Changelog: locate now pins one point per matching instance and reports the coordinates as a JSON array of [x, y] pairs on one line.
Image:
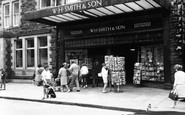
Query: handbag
[[173, 95]]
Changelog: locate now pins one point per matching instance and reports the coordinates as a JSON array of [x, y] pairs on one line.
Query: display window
[[152, 63]]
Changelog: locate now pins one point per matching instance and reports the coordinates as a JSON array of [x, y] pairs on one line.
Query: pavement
[[135, 99]]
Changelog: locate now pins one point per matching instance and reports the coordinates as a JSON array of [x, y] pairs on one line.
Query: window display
[[152, 63]]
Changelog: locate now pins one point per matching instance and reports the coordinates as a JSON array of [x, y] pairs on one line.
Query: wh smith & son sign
[[77, 6]]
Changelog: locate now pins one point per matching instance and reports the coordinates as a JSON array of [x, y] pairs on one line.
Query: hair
[[64, 64], [39, 65], [178, 67], [103, 64], [46, 66]]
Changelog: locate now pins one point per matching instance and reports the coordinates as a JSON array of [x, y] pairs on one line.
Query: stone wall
[[175, 57], [27, 28]]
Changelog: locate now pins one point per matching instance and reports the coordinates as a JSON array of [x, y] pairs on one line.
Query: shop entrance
[[130, 52]]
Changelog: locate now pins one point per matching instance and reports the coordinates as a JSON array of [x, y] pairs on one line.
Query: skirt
[[63, 80], [180, 90]]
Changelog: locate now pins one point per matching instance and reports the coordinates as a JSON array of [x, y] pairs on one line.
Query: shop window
[[19, 53], [16, 13], [30, 53], [43, 51], [47, 3], [6, 15]]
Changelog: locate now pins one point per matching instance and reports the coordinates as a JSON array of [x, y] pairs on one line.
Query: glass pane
[[43, 41], [46, 3], [43, 56], [16, 7], [6, 9], [19, 44], [30, 58], [7, 21], [19, 58], [16, 19], [30, 43]]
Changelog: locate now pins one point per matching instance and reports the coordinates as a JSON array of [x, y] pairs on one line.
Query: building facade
[[25, 44], [147, 32]]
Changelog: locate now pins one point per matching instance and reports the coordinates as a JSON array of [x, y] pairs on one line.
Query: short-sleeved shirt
[[74, 69]]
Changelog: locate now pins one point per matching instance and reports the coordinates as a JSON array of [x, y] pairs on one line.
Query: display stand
[[117, 67], [137, 73]]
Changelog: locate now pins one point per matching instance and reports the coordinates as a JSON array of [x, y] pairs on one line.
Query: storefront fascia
[[94, 9]]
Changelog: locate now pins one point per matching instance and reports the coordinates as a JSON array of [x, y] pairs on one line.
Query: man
[[74, 70]]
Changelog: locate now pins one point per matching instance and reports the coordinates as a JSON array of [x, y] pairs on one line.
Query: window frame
[[17, 14], [51, 4], [43, 47], [4, 16], [11, 13], [26, 50], [36, 49], [18, 49]]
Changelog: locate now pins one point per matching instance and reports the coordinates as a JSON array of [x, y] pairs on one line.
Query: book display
[[117, 67], [137, 73]]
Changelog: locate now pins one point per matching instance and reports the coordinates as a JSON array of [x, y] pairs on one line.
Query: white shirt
[[179, 78], [84, 70], [46, 74], [74, 68], [104, 72]]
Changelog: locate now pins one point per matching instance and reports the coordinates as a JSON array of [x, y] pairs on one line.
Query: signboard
[[77, 6], [112, 27]]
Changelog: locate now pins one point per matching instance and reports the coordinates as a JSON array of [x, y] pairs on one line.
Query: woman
[[63, 77], [179, 83], [104, 73], [38, 79]]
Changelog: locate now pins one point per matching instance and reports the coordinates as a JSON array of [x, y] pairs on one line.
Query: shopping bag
[[173, 95]]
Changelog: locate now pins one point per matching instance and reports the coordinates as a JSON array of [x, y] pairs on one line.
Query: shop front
[[129, 36], [138, 40]]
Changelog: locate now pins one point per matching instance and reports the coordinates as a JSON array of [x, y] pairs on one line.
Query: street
[[14, 107]]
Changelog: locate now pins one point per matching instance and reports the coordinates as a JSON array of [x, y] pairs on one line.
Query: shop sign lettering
[[107, 29], [77, 6], [143, 24]]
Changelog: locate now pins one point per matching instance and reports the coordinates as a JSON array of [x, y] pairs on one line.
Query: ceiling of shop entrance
[[91, 9]]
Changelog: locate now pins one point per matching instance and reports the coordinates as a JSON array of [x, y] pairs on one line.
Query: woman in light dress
[[179, 83], [62, 74]]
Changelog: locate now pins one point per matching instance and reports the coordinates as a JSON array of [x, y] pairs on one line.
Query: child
[[3, 79]]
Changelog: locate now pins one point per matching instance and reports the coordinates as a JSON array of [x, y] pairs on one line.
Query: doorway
[[130, 52]]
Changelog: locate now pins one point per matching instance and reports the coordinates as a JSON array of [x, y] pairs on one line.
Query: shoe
[[173, 106], [78, 90], [104, 91]]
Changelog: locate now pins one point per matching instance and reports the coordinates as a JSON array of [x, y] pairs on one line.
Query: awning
[[91, 9]]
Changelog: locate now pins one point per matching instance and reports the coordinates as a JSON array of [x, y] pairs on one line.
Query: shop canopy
[[88, 9]]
